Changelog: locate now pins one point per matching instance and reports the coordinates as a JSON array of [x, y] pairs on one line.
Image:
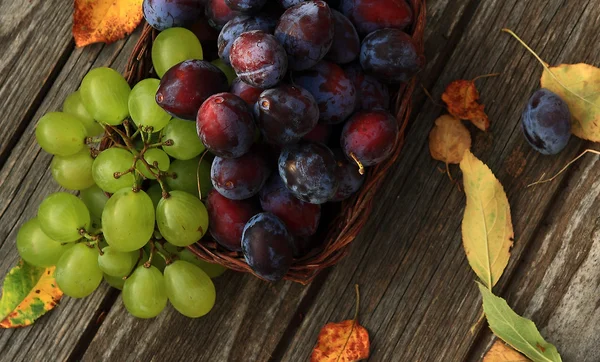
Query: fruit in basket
[[346, 44], [145, 293], [104, 93], [164, 14], [546, 122], [306, 32], [187, 174], [226, 69], [348, 175], [225, 125], [181, 218], [74, 105], [77, 273], [238, 25], [73, 172], [187, 85], [332, 89], [173, 46], [267, 246], [370, 92], [246, 6], [240, 178], [371, 15], [286, 4], [60, 134], [143, 109], [308, 171], [391, 56], [245, 91], [110, 163], [286, 113], [189, 289], [320, 133], [258, 59], [185, 144], [62, 215], [219, 13], [36, 248]]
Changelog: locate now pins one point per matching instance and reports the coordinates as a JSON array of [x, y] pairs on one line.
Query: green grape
[[94, 198], [152, 155], [190, 290], [77, 273], [212, 270], [104, 93], [173, 46], [115, 282], [186, 143], [116, 263], [186, 179], [60, 134], [128, 220], [182, 219], [73, 172], [155, 193], [107, 163], [36, 248], [144, 110], [62, 215], [144, 292], [229, 72], [73, 105]]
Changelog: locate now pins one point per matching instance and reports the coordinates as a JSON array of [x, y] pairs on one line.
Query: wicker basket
[[337, 232]]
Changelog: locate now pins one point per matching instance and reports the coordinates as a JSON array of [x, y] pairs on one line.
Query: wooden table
[[419, 299]]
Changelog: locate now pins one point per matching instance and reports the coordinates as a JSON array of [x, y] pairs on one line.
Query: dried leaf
[[28, 293], [519, 332], [105, 21], [502, 352], [487, 229], [449, 139], [342, 342], [462, 99]]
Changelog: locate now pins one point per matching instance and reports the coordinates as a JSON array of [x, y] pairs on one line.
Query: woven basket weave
[[341, 229]]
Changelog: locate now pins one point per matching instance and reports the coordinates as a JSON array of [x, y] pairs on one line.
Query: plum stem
[[361, 168]]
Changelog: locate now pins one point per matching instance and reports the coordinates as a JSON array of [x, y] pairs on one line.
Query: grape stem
[[90, 237], [152, 251], [93, 140]]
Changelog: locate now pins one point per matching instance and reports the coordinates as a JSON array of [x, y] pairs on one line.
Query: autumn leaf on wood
[[28, 293], [520, 333], [462, 99], [487, 229], [449, 139], [342, 342], [105, 21], [502, 352]]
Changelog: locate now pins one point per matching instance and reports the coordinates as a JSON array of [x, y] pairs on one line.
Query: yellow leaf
[[105, 21], [449, 139], [502, 352], [487, 227]]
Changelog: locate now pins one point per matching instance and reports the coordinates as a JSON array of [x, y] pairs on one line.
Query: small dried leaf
[[105, 21], [462, 99], [502, 352], [449, 139]]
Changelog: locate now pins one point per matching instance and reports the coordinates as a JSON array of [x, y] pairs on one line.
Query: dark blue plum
[[245, 91], [218, 13], [267, 246], [348, 176], [246, 6], [164, 14], [308, 171], [370, 93], [286, 4], [346, 44], [258, 59], [546, 122], [320, 133], [371, 15], [391, 56], [239, 178], [238, 25], [286, 113], [332, 89], [306, 32]]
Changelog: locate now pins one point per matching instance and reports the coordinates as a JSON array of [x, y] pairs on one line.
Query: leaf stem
[[541, 181]]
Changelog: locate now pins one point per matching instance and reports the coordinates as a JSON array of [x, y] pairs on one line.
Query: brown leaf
[[462, 99], [105, 21], [502, 352], [449, 139]]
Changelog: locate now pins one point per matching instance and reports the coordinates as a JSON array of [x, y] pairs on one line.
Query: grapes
[[371, 15], [212, 270], [155, 193], [173, 46], [60, 134], [308, 171], [110, 162], [189, 289], [187, 85], [227, 219], [182, 218], [369, 137], [332, 89], [73, 172], [151, 156], [115, 282], [144, 292], [238, 25], [104, 93], [128, 220], [306, 32], [218, 13], [116, 263], [301, 218], [164, 14], [245, 91], [36, 248], [95, 199], [189, 174], [348, 176], [258, 59], [239, 178], [320, 133], [186, 144], [370, 93], [77, 273], [391, 56], [346, 44], [144, 110], [62, 215], [267, 246], [225, 125], [226, 69], [246, 6], [74, 105], [286, 113], [546, 122]]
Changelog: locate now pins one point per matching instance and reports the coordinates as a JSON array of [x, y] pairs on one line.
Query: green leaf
[[520, 333]]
